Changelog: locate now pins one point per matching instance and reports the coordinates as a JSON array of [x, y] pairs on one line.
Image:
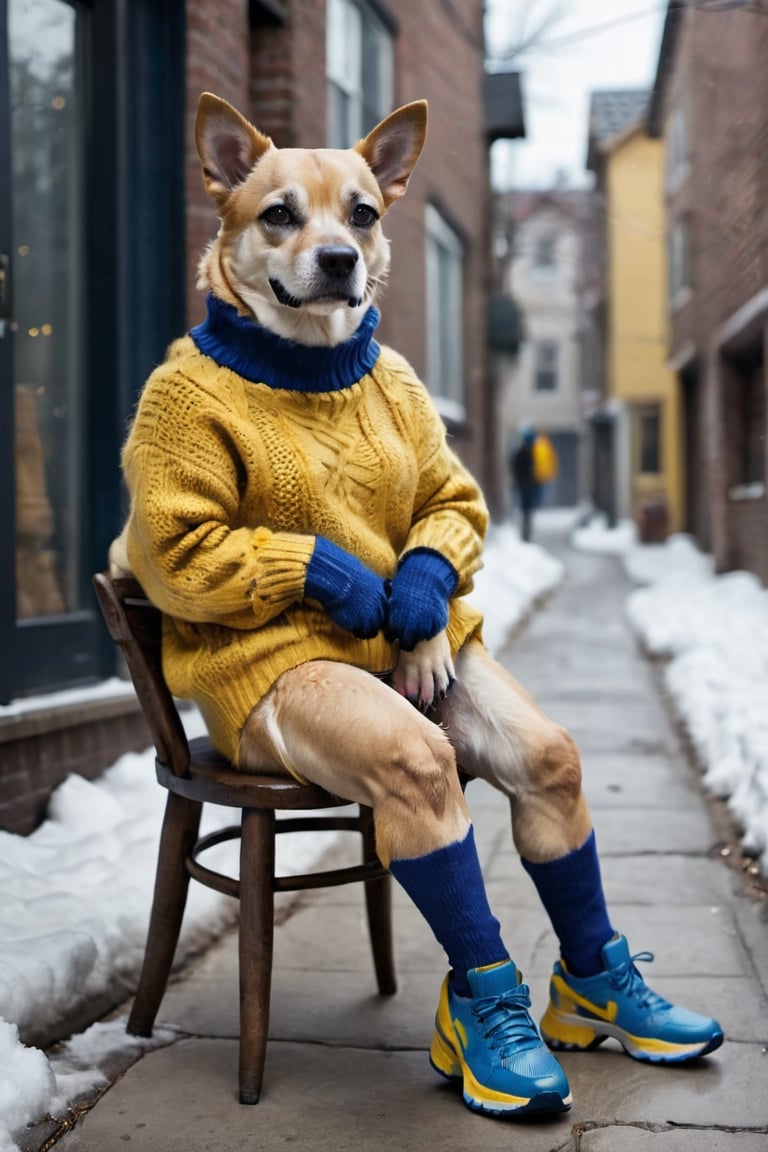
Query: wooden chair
[[193, 774]]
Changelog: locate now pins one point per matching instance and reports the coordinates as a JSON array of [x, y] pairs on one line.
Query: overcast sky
[[587, 45]]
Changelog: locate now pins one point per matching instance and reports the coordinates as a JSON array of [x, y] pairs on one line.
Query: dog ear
[[392, 148], [228, 146]]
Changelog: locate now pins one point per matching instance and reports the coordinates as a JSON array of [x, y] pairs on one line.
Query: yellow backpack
[[545, 462]]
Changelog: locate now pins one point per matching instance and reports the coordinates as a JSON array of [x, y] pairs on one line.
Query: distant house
[[542, 243], [713, 122], [636, 444]]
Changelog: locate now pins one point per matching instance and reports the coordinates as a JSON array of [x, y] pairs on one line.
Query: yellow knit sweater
[[231, 480]]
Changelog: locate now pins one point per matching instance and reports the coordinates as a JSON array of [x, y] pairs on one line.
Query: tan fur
[[501, 735], [329, 722], [119, 565], [342, 728], [247, 175]]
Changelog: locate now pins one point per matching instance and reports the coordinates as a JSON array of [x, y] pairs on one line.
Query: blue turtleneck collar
[[260, 356]]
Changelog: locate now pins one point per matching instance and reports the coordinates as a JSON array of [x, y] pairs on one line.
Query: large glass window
[[91, 260], [445, 315], [359, 65], [48, 278]]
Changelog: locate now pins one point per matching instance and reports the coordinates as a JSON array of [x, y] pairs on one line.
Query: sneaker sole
[[448, 1064], [574, 1034]]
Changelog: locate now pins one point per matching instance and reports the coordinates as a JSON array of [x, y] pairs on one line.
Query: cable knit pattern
[[231, 482]]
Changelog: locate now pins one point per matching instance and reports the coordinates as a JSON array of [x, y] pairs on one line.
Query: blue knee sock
[[447, 888], [572, 894]]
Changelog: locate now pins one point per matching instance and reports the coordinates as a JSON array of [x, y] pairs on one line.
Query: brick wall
[[288, 77], [729, 161], [217, 61], [720, 76], [440, 57], [38, 751]]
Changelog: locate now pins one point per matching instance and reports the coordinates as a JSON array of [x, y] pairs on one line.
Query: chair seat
[[211, 778]]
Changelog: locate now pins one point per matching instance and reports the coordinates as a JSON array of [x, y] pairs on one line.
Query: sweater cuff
[[432, 566], [282, 563]]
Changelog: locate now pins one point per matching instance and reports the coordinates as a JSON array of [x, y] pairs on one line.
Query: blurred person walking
[[526, 487]]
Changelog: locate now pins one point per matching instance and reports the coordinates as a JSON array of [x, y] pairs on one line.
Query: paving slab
[[315, 1097], [348, 1070], [631, 1138], [319, 1097]]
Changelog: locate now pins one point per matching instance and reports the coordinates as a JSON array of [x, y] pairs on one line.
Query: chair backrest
[[135, 625]]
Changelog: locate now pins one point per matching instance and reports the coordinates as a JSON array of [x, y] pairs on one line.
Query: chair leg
[[181, 825], [378, 902], [257, 871]]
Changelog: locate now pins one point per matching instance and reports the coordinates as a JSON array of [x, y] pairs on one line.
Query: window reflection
[[47, 270]]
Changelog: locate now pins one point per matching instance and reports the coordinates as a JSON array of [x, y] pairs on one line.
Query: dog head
[[300, 246]]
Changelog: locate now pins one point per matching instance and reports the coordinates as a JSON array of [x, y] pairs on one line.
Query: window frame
[[679, 263], [445, 313], [649, 418], [745, 396], [360, 75], [676, 155], [545, 256], [543, 350], [133, 203]]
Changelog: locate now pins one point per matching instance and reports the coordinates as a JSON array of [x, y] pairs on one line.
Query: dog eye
[[363, 216], [277, 214]]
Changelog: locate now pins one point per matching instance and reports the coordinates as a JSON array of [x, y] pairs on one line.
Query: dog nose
[[337, 259]]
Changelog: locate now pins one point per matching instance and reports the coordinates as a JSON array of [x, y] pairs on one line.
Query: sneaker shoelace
[[626, 978], [505, 1021]]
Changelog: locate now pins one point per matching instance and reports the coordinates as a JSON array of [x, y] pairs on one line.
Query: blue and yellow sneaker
[[490, 1044], [617, 1002]]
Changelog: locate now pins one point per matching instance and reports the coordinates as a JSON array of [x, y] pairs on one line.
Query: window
[[679, 272], [745, 410], [445, 315], [677, 149], [77, 237], [753, 427], [648, 424], [545, 366], [49, 266], [360, 68], [544, 256]]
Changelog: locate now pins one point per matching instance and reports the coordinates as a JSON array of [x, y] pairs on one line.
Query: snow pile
[[27, 1083], [513, 578], [75, 895], [713, 632]]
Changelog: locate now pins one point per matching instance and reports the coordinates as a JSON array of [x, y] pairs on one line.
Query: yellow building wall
[[637, 293]]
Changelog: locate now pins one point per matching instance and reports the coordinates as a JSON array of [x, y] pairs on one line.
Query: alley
[[348, 1071]]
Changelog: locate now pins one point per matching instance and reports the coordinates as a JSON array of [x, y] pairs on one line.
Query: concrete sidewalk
[[348, 1071]]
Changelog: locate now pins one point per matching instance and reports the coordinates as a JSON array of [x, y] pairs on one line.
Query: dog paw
[[425, 674]]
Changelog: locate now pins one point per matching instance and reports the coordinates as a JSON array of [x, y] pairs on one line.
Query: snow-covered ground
[[75, 895], [712, 633]]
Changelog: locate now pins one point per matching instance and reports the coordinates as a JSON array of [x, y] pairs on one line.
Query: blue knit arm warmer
[[350, 593], [418, 602]]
